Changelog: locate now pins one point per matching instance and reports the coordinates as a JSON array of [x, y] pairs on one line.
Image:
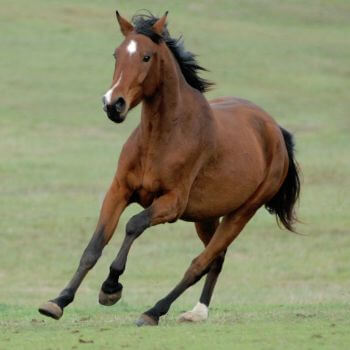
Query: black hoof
[[51, 309], [146, 320], [109, 299]]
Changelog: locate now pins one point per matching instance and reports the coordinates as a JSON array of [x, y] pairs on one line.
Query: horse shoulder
[[128, 170]]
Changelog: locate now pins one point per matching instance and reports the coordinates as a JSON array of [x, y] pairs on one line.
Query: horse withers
[[213, 163]]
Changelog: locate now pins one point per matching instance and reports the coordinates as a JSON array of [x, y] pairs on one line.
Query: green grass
[[58, 155]]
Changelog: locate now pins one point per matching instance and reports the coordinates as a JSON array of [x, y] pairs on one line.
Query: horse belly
[[232, 177], [212, 196]]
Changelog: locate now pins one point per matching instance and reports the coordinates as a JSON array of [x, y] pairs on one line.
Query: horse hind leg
[[205, 231], [228, 229], [200, 311]]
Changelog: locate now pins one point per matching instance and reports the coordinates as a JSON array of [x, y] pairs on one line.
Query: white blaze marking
[[108, 94], [132, 47]]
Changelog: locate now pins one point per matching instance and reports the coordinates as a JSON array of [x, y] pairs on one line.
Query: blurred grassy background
[[58, 154]]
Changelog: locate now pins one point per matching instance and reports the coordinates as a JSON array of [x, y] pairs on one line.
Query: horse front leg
[[163, 209], [115, 201]]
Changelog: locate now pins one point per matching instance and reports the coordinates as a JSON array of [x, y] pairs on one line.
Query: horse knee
[[138, 223]]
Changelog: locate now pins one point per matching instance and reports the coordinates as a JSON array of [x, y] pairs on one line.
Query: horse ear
[[159, 25], [125, 26]]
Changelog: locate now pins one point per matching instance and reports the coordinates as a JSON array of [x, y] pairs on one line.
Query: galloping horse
[[213, 163]]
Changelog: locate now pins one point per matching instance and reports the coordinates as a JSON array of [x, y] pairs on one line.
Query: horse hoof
[[51, 309], [198, 314], [146, 320], [190, 317], [109, 299]]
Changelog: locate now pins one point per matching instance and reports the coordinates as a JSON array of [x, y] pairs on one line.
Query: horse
[[212, 163]]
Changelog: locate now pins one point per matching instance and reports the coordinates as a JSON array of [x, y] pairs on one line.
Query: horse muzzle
[[116, 111]]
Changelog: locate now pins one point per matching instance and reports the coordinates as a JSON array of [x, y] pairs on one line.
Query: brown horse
[[188, 159]]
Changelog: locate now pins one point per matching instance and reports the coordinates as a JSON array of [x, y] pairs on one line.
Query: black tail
[[282, 204]]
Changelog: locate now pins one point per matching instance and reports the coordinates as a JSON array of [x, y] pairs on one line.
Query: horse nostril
[[120, 105], [104, 100]]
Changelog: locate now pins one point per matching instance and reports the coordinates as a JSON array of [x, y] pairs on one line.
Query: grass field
[[58, 154]]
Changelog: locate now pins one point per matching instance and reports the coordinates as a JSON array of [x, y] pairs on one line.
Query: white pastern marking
[[132, 47], [201, 310], [108, 94], [197, 314]]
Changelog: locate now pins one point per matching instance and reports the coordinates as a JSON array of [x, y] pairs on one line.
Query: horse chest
[[149, 189], [150, 183]]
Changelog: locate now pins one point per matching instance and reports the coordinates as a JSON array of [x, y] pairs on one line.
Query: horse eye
[[146, 58]]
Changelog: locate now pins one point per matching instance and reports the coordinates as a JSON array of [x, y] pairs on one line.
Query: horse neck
[[165, 110]]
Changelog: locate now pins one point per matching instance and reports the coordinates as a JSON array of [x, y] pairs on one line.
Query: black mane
[[143, 25]]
